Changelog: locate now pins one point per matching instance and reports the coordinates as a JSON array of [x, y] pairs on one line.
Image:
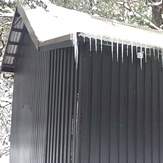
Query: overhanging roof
[[58, 24]]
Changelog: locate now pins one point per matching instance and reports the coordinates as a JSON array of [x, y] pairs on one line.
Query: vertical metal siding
[[121, 106], [44, 105], [28, 133], [61, 106]]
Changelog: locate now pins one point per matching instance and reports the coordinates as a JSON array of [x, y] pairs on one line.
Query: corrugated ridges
[[121, 107]]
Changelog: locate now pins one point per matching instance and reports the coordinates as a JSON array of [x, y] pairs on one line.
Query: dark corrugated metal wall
[[121, 106], [28, 133], [61, 106], [43, 116]]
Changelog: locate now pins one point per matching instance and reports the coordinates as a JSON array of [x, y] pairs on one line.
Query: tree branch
[[2, 44], [151, 3], [148, 22]]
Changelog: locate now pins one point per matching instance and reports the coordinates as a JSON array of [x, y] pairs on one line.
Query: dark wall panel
[[61, 106], [43, 119], [28, 133], [120, 105], [119, 97]]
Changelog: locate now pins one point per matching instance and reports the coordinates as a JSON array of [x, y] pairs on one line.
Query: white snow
[[4, 159], [58, 21]]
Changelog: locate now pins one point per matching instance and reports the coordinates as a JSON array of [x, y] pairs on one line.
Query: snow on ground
[[4, 159]]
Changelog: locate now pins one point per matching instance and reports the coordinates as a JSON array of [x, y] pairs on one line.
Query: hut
[[86, 90]]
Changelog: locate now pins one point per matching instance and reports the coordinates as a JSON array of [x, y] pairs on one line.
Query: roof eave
[[28, 26], [63, 41]]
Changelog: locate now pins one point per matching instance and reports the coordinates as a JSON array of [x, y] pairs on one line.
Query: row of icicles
[[142, 51]]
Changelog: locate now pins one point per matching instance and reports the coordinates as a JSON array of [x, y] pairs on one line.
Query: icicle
[[154, 52], [140, 56], [101, 43], [96, 45], [84, 39], [117, 50], [132, 53], [145, 53], [162, 60], [90, 44], [162, 57], [150, 52], [122, 51], [127, 50], [112, 48], [141, 63], [75, 44], [141, 59], [158, 53]]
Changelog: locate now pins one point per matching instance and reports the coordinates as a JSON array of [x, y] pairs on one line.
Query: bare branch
[[2, 43], [137, 14], [151, 3]]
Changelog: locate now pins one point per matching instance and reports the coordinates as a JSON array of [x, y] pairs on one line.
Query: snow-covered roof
[[57, 24], [57, 21]]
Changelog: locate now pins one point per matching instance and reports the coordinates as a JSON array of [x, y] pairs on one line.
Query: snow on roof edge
[[34, 37], [24, 17], [109, 37]]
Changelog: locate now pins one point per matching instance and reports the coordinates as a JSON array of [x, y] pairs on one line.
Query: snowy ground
[[4, 159]]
